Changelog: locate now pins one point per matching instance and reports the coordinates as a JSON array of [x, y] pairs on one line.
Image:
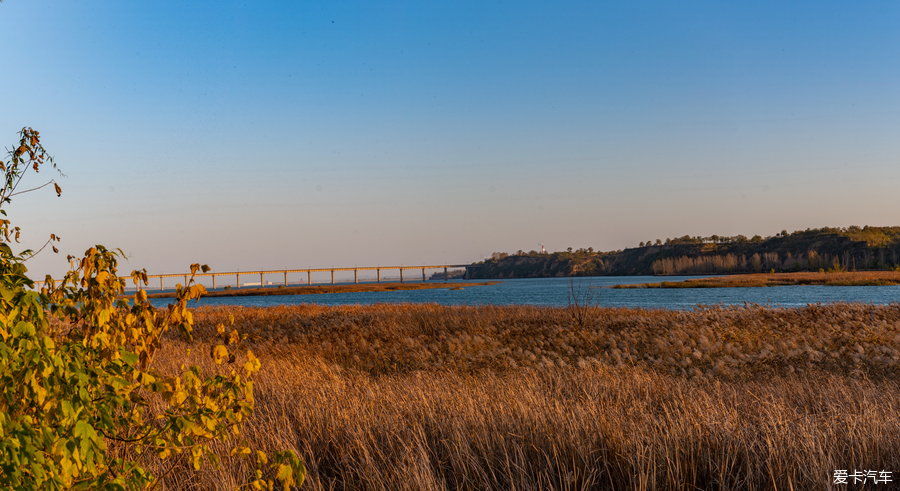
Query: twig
[[51, 181]]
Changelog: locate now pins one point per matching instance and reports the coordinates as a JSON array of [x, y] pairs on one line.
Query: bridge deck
[[262, 273]]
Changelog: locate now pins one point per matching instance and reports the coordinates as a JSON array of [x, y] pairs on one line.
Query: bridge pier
[[261, 284], [355, 278], [161, 283], [423, 274], [185, 281], [332, 276], [378, 275], [401, 275], [308, 277], [213, 281], [445, 274], [285, 278]]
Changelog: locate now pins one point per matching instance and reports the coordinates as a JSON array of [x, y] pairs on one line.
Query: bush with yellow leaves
[[79, 395]]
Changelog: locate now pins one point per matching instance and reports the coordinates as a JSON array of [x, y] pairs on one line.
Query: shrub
[[79, 395]]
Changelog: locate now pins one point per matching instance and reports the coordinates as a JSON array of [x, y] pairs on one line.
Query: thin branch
[[12, 188], [32, 189], [35, 253], [137, 439]]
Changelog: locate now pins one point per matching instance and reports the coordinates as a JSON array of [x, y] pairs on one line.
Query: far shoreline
[[322, 289], [755, 280]]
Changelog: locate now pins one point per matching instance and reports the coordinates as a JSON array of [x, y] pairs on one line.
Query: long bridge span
[[233, 278]]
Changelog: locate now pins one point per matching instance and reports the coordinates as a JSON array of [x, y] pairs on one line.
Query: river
[[588, 290]]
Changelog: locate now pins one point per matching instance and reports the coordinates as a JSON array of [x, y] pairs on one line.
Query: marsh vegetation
[[430, 397]]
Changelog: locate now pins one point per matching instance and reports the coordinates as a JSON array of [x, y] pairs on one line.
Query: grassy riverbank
[[430, 397], [846, 278], [316, 289]]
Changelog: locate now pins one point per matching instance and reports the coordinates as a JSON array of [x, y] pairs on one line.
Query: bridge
[[284, 274]]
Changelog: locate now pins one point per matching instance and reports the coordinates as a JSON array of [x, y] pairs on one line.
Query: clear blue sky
[[270, 134]]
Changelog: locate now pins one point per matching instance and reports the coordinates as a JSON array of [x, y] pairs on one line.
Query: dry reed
[[430, 397]]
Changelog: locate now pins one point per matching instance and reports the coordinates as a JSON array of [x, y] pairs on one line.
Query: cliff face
[[868, 248]]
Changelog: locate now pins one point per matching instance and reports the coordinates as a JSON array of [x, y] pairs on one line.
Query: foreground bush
[[80, 397]]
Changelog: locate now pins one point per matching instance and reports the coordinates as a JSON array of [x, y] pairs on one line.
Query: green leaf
[[129, 357]]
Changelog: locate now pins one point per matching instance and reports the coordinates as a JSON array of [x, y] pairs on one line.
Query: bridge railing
[[285, 272]]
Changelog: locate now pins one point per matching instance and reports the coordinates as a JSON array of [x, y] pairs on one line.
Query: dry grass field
[[837, 278], [431, 397]]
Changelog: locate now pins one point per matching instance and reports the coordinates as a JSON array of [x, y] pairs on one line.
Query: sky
[[267, 134]]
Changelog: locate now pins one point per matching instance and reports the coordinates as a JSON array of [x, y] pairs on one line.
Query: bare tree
[[580, 302]]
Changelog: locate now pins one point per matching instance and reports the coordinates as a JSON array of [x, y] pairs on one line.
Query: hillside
[[842, 249]]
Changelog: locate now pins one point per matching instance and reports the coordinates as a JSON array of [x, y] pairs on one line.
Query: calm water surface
[[556, 292]]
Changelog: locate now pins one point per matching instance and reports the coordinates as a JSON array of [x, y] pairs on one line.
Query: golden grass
[[316, 289], [430, 397], [841, 278]]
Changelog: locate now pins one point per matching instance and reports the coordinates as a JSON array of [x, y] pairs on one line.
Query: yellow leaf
[[196, 455], [285, 474], [252, 364], [179, 396], [240, 450], [220, 354]]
